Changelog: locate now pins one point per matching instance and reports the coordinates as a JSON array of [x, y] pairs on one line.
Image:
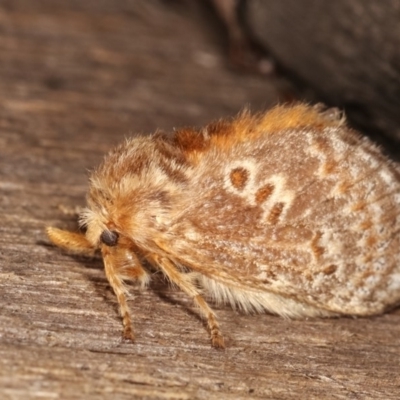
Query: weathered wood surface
[[75, 78]]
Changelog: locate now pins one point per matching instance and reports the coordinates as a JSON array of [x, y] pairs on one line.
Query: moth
[[287, 211]]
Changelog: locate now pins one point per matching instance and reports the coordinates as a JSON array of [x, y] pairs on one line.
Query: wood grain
[[76, 78]]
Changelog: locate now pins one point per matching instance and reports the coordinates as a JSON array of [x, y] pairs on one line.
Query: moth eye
[[110, 238]]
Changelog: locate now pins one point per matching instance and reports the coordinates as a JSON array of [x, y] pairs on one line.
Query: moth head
[[132, 194], [137, 217]]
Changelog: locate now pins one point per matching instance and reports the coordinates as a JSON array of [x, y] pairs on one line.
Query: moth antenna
[[73, 242]]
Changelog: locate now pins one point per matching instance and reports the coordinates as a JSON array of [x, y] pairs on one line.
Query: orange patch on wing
[[225, 133], [279, 119], [275, 213], [296, 117], [190, 139], [239, 177], [264, 193]]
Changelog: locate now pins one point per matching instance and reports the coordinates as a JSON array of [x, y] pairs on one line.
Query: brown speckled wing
[[309, 214]]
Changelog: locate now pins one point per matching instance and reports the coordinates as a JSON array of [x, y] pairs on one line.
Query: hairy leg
[[184, 284], [121, 264]]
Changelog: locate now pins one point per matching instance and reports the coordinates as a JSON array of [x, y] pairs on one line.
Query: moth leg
[[73, 242], [184, 284], [121, 264]]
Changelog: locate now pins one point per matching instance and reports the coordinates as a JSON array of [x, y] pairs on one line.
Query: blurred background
[[346, 52], [125, 65]]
